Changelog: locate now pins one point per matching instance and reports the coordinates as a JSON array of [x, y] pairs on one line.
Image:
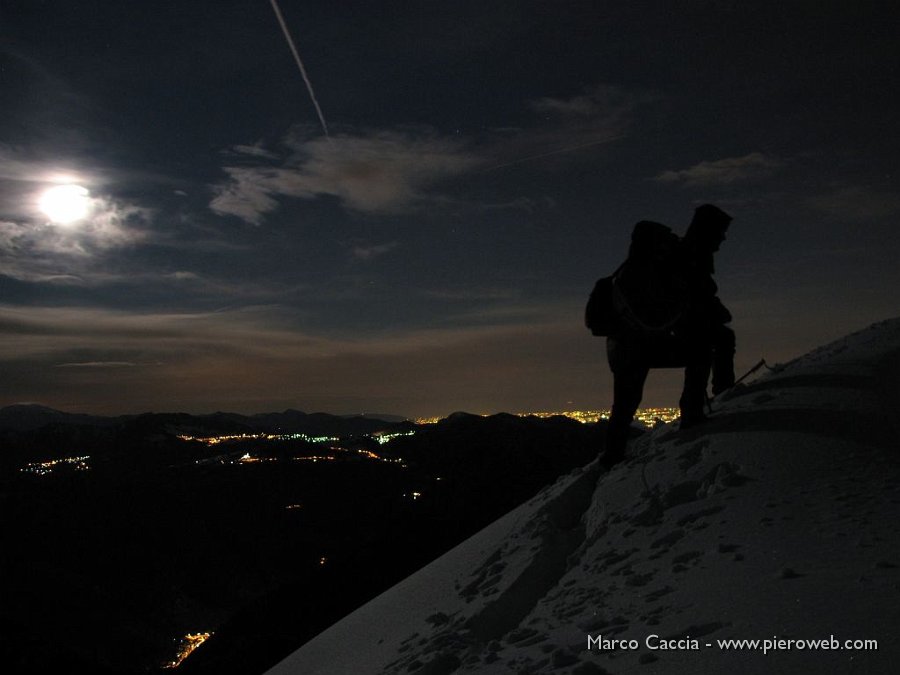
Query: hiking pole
[[762, 362]]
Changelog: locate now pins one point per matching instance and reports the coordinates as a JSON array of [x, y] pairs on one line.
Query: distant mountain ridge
[[30, 417]]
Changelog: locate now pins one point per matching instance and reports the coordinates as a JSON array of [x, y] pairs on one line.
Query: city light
[[247, 458], [383, 438], [428, 420], [186, 646], [653, 416], [230, 438], [45, 468], [647, 416]]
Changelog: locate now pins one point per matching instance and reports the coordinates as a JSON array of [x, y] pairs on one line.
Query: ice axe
[[760, 364]]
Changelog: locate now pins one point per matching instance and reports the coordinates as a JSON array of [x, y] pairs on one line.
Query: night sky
[[484, 164]]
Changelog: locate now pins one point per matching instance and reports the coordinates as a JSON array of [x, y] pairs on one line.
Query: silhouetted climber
[[649, 294], [669, 316], [709, 343]]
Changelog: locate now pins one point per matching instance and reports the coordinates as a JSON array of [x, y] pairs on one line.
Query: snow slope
[[778, 519]]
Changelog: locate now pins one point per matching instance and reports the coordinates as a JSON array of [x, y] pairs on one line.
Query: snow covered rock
[[777, 521]]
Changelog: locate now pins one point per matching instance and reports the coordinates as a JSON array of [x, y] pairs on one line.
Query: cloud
[[183, 275], [492, 294], [605, 101], [33, 249], [857, 203], [395, 171], [254, 359], [17, 166], [570, 127], [38, 251], [366, 253], [98, 364], [723, 171], [92, 336], [255, 150], [383, 172], [248, 193], [109, 334]]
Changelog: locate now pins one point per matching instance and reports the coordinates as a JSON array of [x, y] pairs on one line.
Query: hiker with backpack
[[660, 309], [709, 342]]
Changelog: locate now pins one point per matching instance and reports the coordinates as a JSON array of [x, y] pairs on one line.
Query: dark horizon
[[385, 415]]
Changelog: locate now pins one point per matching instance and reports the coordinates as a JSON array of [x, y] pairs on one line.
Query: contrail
[[559, 151], [290, 40]]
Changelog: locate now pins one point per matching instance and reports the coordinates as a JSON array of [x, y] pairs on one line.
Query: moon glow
[[65, 204]]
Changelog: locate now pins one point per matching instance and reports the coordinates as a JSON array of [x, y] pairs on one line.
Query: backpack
[[601, 316], [645, 297], [619, 305]]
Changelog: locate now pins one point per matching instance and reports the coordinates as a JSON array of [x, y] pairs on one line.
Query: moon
[[65, 204]]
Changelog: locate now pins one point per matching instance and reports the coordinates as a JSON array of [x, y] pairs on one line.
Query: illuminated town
[[48, 467], [649, 417], [383, 438], [186, 646], [215, 440]]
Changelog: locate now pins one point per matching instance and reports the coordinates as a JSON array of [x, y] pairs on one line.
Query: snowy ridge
[[778, 519]]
